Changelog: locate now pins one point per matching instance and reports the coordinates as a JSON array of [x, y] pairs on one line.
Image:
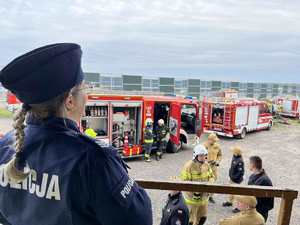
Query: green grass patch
[[4, 113]]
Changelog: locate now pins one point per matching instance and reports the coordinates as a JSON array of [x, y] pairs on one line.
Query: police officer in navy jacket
[[54, 174]]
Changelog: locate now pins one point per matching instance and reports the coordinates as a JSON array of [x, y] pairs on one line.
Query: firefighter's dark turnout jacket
[[175, 211], [237, 170], [148, 135], [162, 132]]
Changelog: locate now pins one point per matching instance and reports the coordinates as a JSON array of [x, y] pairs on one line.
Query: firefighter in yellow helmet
[[197, 170], [248, 214], [148, 138], [214, 156]]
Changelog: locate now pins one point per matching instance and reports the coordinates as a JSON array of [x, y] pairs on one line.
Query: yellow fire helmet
[[213, 137], [248, 200], [236, 150]]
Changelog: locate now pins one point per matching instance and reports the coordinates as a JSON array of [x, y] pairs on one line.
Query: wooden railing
[[287, 196]]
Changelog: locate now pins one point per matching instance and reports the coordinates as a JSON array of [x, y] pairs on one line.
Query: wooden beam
[[285, 210], [259, 191], [287, 195]]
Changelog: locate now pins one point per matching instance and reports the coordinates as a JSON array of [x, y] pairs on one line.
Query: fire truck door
[[287, 106], [253, 117], [175, 122]]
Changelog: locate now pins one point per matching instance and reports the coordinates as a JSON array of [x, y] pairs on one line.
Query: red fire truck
[[228, 115], [119, 120], [289, 106], [12, 102]]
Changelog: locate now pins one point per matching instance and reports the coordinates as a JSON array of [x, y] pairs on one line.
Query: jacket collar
[[53, 123], [249, 211]]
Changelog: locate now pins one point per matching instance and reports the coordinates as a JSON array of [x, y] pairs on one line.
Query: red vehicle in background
[[12, 102], [288, 106], [228, 115], [119, 120]]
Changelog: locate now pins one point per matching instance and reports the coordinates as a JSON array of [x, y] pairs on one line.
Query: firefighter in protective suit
[[248, 214], [197, 170], [214, 156], [148, 139], [162, 136]]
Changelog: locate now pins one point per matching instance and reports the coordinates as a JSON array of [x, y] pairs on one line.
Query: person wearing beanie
[[236, 172], [248, 214], [58, 175]]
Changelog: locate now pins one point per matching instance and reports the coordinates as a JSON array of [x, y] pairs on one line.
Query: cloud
[[246, 40]]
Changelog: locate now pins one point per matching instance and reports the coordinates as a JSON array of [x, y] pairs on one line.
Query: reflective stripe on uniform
[[196, 176], [149, 141], [195, 202]]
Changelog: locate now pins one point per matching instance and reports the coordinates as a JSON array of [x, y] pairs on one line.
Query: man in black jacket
[[259, 177], [236, 172]]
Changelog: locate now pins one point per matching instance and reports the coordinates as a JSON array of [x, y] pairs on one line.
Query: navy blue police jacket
[[73, 180]]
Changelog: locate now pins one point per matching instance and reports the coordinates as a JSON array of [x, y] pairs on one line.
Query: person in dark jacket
[[236, 172], [58, 175], [148, 139], [259, 177], [175, 211], [162, 134]]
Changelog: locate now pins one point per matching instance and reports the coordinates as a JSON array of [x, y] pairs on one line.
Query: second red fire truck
[[228, 115], [289, 106]]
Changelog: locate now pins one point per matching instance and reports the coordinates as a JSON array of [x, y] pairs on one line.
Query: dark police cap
[[44, 73]]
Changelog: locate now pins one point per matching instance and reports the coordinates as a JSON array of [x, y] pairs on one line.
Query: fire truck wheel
[[243, 134], [172, 148]]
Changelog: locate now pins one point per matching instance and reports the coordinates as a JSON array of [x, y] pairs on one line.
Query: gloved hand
[[214, 163]]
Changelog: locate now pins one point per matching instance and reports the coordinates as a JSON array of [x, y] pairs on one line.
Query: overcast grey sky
[[246, 40]]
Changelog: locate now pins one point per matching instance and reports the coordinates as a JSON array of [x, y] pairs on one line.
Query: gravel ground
[[278, 149]]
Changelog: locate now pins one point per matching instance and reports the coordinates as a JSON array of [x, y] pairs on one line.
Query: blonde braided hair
[[40, 111], [14, 174]]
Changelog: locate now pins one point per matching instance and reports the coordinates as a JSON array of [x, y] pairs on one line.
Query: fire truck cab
[[228, 115], [119, 120]]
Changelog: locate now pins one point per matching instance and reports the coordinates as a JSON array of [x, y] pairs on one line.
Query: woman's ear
[[70, 103]]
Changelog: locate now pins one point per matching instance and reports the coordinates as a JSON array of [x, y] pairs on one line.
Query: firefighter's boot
[[157, 157], [147, 158], [202, 220], [211, 200], [227, 204]]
